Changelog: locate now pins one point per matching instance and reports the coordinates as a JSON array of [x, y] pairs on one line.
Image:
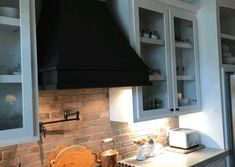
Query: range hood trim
[[55, 79]]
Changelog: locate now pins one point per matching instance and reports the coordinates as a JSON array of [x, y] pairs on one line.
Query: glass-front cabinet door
[[153, 47], [16, 97], [165, 38], [185, 64]]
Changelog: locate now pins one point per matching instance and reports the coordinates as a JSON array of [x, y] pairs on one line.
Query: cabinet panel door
[[16, 97], [152, 44], [219, 163], [185, 64]]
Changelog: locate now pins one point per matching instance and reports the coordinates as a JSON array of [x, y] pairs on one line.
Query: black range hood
[[81, 46]]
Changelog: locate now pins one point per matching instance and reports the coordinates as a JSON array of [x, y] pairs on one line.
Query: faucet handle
[[66, 113], [43, 129]]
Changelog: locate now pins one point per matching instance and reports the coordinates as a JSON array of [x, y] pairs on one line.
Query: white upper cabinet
[[166, 40], [18, 90]]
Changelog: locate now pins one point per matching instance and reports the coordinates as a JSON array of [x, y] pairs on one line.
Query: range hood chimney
[[81, 46]]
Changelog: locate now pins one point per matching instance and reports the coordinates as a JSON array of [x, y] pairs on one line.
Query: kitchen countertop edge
[[215, 158], [200, 158]]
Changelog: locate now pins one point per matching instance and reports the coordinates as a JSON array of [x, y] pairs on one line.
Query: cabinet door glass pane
[[10, 61], [153, 52], [155, 97], [11, 115], [227, 20], [185, 62], [11, 112]]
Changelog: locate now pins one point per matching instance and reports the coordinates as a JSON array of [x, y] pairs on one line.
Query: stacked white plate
[[9, 12], [229, 60]]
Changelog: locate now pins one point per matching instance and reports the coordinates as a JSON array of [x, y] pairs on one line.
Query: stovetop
[[121, 164]]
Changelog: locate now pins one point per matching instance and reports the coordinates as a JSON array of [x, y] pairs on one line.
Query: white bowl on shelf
[[184, 102], [9, 12], [227, 54], [17, 73], [229, 60]]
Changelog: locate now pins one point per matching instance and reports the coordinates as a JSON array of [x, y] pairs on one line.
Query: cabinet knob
[[177, 109], [172, 109]]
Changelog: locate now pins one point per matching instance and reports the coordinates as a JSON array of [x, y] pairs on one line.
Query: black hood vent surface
[[81, 46]]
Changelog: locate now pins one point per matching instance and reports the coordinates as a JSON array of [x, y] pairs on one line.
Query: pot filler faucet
[[67, 114]]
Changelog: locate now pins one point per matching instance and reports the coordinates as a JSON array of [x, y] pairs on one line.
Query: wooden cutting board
[[74, 156], [184, 151], [54, 153], [76, 159]]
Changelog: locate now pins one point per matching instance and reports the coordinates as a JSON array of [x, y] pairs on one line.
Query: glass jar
[[151, 148], [140, 153]]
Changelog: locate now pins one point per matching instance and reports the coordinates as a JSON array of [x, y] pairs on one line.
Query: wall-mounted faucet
[[67, 114]]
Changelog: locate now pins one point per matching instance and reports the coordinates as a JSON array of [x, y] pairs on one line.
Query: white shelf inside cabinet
[[152, 41], [227, 66], [10, 79], [227, 36], [181, 5], [185, 77], [9, 24], [157, 77], [183, 45]]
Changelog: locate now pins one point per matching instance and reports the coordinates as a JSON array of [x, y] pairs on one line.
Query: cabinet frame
[[169, 14], [28, 79]]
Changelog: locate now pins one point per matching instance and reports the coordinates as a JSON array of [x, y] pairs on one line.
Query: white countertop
[[169, 159]]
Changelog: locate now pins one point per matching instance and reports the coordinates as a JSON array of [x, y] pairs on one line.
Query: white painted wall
[[210, 121]]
